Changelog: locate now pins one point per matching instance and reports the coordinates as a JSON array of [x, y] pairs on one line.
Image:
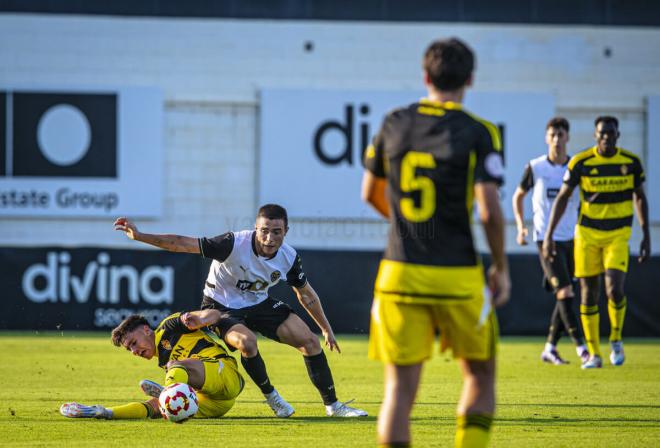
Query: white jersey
[[546, 178], [238, 277]]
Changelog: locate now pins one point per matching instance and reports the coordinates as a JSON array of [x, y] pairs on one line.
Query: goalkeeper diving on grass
[[189, 354]]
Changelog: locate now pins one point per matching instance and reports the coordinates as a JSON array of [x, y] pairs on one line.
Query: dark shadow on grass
[[594, 422], [582, 405], [317, 402], [293, 420], [453, 403]]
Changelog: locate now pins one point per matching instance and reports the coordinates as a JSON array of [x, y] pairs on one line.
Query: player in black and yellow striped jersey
[[193, 356], [426, 165], [611, 186]]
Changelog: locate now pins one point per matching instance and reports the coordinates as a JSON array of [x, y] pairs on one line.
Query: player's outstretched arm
[[642, 209], [490, 213], [172, 243], [374, 193], [518, 213], [310, 300], [194, 320], [558, 209]]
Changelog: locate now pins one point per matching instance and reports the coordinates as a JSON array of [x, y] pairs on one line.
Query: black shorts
[[558, 273], [265, 317]]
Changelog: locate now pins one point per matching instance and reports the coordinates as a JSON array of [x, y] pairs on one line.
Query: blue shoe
[[617, 357], [77, 410], [594, 362]]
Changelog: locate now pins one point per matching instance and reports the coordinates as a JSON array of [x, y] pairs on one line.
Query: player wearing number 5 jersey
[[433, 158]]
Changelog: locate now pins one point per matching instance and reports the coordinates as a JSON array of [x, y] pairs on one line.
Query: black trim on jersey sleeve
[[490, 164], [296, 277], [572, 175], [527, 181], [174, 325], [638, 172], [375, 157], [218, 248]]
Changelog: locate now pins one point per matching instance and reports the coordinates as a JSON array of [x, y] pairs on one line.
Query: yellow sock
[[176, 374], [617, 312], [590, 324], [473, 430], [130, 411]]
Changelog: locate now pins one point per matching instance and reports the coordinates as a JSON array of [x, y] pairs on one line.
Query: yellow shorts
[[222, 384], [597, 251], [404, 333]]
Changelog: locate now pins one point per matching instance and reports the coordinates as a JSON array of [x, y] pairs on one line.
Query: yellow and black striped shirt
[[175, 341], [606, 187]]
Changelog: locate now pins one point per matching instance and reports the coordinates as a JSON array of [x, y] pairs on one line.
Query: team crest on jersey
[[275, 276], [624, 169], [166, 344]]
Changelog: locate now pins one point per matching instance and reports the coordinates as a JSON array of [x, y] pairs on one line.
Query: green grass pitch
[[539, 405]]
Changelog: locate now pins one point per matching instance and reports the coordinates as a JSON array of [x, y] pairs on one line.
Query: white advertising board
[[311, 143], [81, 153]]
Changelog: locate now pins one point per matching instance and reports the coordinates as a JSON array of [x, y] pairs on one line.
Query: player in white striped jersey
[[544, 176], [245, 265]]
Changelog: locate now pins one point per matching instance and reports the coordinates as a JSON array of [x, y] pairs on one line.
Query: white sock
[[550, 347], [581, 349]]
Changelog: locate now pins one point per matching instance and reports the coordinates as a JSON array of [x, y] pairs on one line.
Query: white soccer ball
[[178, 402]]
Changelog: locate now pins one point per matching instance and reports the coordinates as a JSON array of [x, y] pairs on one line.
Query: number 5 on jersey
[[410, 182]]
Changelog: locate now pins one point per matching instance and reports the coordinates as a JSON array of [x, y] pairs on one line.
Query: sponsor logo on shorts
[[278, 304]]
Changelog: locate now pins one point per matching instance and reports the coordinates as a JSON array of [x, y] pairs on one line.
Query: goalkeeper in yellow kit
[[188, 354]]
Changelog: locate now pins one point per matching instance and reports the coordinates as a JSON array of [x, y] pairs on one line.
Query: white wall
[[211, 72]]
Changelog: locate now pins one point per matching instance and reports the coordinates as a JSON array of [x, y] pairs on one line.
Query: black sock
[[256, 368], [569, 320], [556, 326], [319, 372]]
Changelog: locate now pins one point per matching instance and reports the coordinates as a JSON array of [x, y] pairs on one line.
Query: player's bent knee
[[246, 343], [564, 293], [310, 345], [615, 293], [174, 363]]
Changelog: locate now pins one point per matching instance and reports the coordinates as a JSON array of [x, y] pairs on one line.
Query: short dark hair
[[274, 211], [606, 119], [129, 324], [449, 63], [558, 123]]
